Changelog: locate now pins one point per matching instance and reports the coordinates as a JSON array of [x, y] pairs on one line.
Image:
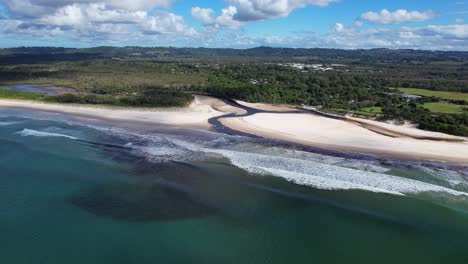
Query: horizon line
[[224, 48]]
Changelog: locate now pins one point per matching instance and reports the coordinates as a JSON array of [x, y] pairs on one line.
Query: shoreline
[[354, 135], [195, 116]]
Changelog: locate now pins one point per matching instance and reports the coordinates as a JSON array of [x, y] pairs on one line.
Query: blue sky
[[350, 24]]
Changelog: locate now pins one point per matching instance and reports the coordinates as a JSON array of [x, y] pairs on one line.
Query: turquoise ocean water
[[76, 190]]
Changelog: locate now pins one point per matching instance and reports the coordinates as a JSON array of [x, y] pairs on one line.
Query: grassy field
[[9, 94], [440, 94], [445, 108], [368, 111]]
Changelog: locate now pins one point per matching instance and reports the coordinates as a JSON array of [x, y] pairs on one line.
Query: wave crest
[[300, 167], [34, 133]]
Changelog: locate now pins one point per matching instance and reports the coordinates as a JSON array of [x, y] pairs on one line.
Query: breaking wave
[[330, 177], [300, 167], [34, 133]]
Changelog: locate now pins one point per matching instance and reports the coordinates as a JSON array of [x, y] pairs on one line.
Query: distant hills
[[50, 54]]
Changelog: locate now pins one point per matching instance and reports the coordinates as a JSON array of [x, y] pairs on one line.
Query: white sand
[[196, 115], [341, 135]]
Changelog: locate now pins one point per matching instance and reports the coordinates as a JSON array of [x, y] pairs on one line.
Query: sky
[[347, 24]]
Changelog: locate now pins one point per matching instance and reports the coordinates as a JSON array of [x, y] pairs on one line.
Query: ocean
[[79, 190]]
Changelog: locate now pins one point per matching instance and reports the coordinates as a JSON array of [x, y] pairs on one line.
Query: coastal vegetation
[[359, 82], [439, 94], [150, 97]]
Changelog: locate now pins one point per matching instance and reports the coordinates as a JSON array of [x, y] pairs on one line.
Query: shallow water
[[82, 191], [45, 89]]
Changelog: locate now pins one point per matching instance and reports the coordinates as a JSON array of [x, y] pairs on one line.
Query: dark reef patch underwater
[[76, 190], [142, 202]]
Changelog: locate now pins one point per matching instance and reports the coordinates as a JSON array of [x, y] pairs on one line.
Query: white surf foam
[[330, 173], [324, 183], [326, 176], [299, 167], [365, 165], [8, 123], [34, 133]]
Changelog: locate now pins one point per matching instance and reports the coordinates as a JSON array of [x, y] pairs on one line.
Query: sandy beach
[[339, 135], [353, 134], [194, 116]]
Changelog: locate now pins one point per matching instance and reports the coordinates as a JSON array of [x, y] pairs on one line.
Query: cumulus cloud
[[449, 31], [225, 19], [150, 22], [239, 12], [205, 15], [447, 37], [15, 27], [79, 14], [38, 8], [88, 19], [163, 23], [435, 37], [358, 23], [254, 10], [397, 17]]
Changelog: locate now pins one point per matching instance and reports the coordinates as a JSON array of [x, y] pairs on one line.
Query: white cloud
[[71, 15], [77, 15], [24, 8], [459, 20], [449, 37], [38, 8], [95, 19], [254, 10], [239, 12], [358, 23], [225, 19], [338, 27], [449, 31], [127, 22], [205, 15], [398, 16], [17, 27], [163, 23]]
